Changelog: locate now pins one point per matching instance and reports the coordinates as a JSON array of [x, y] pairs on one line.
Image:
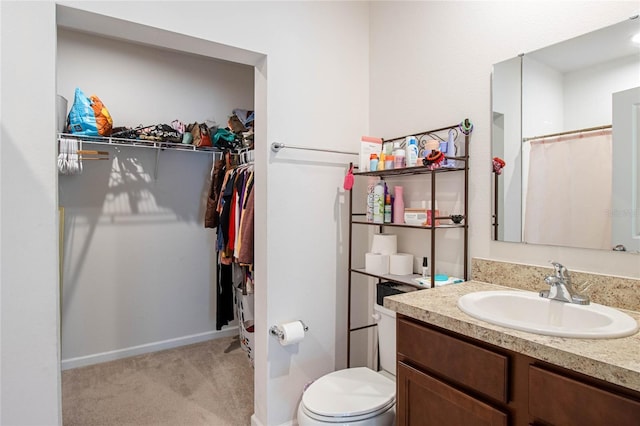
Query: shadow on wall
[[132, 184], [25, 208], [127, 197]]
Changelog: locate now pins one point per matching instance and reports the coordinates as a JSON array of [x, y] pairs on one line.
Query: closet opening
[[139, 269]]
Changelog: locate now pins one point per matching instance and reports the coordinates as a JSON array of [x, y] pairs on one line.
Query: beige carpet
[[209, 383]]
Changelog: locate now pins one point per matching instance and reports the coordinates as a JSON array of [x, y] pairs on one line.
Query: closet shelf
[[137, 143]]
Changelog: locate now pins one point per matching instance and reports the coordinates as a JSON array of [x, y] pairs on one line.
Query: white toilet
[[357, 396]]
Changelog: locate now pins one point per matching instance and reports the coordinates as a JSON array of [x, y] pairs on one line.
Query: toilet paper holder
[[277, 331]]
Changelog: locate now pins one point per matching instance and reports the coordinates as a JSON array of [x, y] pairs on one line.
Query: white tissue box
[[416, 217]]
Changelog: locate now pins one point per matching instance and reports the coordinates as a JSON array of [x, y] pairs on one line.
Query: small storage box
[[417, 217], [388, 289]]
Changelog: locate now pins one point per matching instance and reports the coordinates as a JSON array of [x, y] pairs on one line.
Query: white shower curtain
[[568, 199]]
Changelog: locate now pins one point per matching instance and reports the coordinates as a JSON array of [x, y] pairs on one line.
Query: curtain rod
[[590, 129], [277, 146]]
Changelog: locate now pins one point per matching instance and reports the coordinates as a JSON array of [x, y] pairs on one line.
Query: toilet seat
[[349, 395]]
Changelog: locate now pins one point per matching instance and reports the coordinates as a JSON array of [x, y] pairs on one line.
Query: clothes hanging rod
[[570, 132], [277, 146]]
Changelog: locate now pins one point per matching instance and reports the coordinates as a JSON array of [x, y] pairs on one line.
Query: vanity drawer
[[561, 400], [425, 400], [462, 363]]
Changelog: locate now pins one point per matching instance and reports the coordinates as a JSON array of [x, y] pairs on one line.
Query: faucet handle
[[561, 270]]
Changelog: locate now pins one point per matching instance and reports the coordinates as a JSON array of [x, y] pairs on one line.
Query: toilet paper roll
[[292, 332], [377, 264], [401, 264], [384, 244]]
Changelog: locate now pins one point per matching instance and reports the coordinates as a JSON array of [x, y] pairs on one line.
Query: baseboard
[[256, 422], [67, 364]]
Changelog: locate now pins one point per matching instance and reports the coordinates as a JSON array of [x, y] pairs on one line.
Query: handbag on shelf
[[205, 136], [201, 134]]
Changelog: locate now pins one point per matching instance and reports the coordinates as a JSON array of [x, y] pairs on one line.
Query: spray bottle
[[378, 203]]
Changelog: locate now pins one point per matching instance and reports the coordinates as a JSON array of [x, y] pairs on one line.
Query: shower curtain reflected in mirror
[[568, 203]]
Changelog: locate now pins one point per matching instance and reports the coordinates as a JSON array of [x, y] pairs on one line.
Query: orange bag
[[104, 122]]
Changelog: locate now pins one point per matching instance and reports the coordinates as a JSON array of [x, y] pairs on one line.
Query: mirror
[[566, 123]]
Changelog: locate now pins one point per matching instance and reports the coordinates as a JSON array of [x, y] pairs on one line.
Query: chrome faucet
[[561, 288]]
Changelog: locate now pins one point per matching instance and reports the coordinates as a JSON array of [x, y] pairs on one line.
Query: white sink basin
[[527, 311]]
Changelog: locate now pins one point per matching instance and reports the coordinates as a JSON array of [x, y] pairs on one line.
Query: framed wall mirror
[[566, 123]]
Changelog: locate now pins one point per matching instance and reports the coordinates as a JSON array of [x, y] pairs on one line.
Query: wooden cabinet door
[[423, 400], [559, 400]]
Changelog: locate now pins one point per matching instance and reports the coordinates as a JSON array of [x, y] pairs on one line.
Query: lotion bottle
[[411, 145], [398, 206], [399, 157]]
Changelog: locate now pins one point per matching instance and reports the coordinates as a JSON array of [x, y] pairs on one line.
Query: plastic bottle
[[378, 203], [443, 149], [411, 146], [436, 213], [387, 209], [399, 156], [370, 186], [389, 162], [425, 267], [451, 150], [398, 205], [373, 162], [381, 161]]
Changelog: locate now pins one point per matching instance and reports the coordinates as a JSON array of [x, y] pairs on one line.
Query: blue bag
[[82, 119]]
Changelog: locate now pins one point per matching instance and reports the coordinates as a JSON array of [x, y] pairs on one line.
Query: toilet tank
[[386, 320]]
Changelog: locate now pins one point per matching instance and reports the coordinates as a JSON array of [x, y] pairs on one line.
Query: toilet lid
[[348, 393]]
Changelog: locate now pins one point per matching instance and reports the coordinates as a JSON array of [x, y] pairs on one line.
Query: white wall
[[318, 90], [433, 69], [139, 266], [29, 361], [542, 99], [557, 101], [593, 107]]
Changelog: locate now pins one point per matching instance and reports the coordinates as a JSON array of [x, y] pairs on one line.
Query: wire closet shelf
[[142, 143]]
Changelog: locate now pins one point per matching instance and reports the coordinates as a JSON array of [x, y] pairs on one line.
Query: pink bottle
[[398, 205]]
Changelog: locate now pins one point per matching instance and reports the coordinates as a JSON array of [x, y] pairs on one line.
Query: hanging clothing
[[211, 215], [245, 255], [236, 188], [246, 189], [224, 296], [230, 206], [226, 202]]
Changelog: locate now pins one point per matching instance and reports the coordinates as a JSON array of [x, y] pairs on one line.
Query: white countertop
[[614, 360]]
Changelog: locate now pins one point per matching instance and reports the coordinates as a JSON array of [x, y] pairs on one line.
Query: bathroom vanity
[[456, 370]]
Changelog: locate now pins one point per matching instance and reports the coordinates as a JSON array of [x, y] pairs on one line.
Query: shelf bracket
[[155, 170]]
